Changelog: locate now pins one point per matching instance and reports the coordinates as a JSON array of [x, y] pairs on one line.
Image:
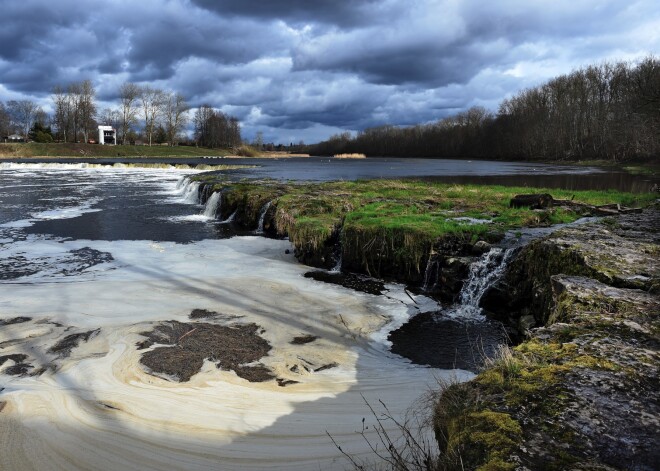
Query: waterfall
[[213, 205], [483, 273], [430, 274], [230, 218], [262, 217], [337, 267], [191, 192]]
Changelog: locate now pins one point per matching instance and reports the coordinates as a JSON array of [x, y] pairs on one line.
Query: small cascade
[[337, 267], [430, 274], [230, 218], [262, 217], [191, 192], [213, 205], [483, 273]]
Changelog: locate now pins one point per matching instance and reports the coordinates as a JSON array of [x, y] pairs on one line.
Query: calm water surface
[[461, 171]]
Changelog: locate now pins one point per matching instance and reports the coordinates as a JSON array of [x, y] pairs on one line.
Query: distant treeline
[[143, 115], [608, 111]]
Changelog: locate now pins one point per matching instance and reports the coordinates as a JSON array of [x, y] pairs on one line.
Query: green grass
[[34, 149], [433, 209], [394, 222]]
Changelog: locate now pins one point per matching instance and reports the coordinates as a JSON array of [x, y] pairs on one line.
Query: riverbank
[[581, 391], [392, 229], [79, 150]]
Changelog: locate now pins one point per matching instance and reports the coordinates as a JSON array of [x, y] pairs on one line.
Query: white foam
[[102, 410]]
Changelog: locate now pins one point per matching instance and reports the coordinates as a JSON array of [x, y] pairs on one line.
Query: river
[[108, 253]]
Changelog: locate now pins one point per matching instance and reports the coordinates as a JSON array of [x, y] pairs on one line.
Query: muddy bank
[[581, 391]]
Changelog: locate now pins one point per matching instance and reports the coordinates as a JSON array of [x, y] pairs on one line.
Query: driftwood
[[602, 210], [544, 200], [535, 201]]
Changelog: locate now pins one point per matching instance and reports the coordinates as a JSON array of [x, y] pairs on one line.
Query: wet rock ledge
[[419, 233], [581, 392]]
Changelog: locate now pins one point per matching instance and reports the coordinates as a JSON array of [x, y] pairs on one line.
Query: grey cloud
[[319, 11], [315, 67]]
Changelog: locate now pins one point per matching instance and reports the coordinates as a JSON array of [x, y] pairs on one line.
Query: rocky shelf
[[580, 392]]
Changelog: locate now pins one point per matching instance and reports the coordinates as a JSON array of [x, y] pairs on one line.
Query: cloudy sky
[[307, 69]]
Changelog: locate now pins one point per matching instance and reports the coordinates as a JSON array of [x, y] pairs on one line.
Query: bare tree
[[129, 95], [175, 115], [22, 113], [62, 112], [111, 117], [152, 105], [86, 107], [5, 121]]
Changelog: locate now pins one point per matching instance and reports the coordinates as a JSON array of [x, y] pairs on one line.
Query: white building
[[107, 135]]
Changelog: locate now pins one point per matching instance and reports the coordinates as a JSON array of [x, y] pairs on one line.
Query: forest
[[608, 112]]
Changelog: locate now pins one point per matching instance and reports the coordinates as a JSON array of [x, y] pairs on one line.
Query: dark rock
[[534, 201], [481, 247]]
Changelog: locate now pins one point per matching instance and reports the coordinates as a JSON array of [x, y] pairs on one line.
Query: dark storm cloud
[[308, 68], [319, 11]]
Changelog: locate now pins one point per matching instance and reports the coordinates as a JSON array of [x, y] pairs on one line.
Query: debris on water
[[187, 345]]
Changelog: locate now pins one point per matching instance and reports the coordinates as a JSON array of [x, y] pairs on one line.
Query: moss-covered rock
[[583, 388]]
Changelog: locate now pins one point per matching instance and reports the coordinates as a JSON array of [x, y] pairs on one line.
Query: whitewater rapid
[[99, 409]]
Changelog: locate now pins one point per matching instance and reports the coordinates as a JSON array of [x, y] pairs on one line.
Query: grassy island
[[389, 228]]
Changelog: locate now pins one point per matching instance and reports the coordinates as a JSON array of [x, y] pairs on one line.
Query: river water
[[108, 252]]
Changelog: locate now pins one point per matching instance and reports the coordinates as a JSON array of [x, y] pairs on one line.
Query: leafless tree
[[86, 107], [5, 121], [152, 100], [129, 95], [175, 115], [22, 113]]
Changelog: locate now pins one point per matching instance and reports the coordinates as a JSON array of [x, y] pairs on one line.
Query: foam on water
[[99, 409], [189, 424]]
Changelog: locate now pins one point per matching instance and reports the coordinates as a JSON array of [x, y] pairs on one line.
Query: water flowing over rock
[[483, 273], [191, 192], [213, 205], [262, 217]]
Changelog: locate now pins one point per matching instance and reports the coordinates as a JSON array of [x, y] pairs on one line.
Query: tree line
[[143, 113], [609, 111]]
